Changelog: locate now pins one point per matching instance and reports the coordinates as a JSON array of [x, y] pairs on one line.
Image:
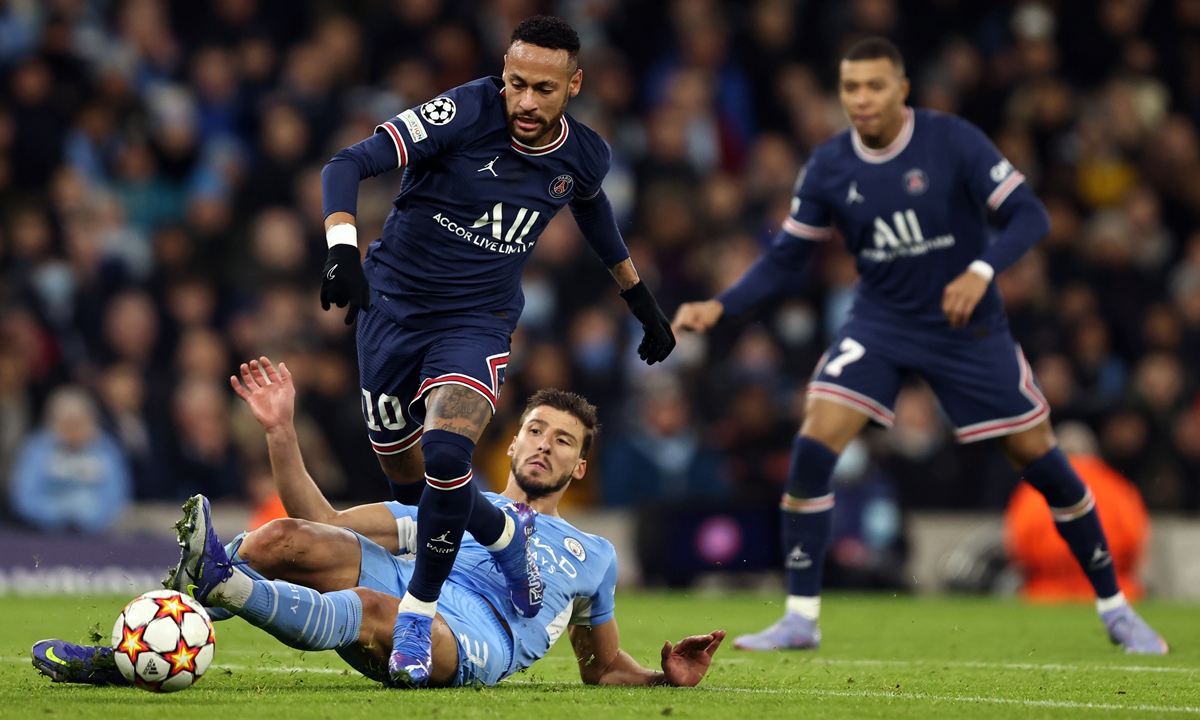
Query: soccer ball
[[163, 641]]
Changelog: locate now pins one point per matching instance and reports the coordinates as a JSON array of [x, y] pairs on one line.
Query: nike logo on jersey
[[490, 167], [853, 196]]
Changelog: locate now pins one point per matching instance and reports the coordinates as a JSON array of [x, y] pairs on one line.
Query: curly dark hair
[[548, 32], [570, 403]]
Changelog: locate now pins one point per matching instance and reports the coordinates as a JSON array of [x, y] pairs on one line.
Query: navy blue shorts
[[397, 366], [983, 381]]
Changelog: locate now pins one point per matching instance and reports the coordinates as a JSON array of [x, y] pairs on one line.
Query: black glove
[[344, 283], [658, 340]]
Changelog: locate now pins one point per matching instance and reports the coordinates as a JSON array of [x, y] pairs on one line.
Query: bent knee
[[403, 468], [275, 540]]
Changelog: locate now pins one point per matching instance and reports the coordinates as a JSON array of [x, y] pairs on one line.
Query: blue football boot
[[411, 660], [519, 564], [203, 562], [792, 632], [67, 662]]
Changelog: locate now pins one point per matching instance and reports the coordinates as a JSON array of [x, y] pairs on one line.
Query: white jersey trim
[[853, 400], [1010, 425], [1004, 189], [401, 150], [893, 148], [806, 232], [545, 149]]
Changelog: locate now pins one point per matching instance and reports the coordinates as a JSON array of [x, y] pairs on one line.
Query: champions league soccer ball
[[163, 641]]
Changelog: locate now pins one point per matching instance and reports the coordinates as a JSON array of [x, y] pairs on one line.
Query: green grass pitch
[[883, 656]]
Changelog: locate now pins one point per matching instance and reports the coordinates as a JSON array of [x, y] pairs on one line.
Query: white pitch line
[[1066, 704], [933, 664]]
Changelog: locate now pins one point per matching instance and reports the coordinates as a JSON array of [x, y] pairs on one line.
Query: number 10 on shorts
[[389, 412]]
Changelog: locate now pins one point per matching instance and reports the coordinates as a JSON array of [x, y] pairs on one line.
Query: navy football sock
[[444, 510], [1074, 511], [807, 515], [407, 493], [487, 521]]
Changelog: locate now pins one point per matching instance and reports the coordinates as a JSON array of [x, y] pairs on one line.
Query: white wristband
[[342, 234], [983, 270]]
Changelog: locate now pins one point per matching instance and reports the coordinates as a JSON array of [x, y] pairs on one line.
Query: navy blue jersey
[[472, 204], [913, 213]]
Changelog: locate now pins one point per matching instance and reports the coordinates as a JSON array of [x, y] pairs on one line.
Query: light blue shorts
[[485, 650]]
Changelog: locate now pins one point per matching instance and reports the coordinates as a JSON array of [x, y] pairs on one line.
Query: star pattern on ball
[[132, 644], [171, 607], [182, 658]]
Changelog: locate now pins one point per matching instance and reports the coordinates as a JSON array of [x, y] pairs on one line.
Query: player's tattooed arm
[[625, 274], [459, 410]]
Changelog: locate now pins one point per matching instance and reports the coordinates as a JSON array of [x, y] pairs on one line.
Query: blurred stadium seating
[[160, 222]]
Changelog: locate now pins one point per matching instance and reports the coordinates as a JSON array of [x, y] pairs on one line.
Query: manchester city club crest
[[915, 181], [439, 110], [560, 186], [575, 547]]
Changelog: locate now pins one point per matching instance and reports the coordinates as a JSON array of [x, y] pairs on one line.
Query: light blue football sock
[[303, 618]]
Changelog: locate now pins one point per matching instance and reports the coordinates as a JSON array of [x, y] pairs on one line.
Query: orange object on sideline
[[267, 510], [1050, 570]]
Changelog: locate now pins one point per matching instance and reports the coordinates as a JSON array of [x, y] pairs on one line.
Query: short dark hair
[[548, 32], [873, 48], [568, 402]]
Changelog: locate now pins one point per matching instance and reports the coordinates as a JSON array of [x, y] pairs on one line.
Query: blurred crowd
[[160, 222]]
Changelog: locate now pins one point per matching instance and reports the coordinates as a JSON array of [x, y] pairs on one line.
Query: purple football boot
[[1127, 628], [411, 660], [519, 564], [203, 562], [67, 662], [792, 632]]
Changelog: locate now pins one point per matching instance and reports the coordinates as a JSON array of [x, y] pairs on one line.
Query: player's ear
[[576, 83], [580, 469], [904, 88], [512, 446]]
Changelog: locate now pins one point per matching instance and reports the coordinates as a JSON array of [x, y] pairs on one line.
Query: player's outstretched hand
[[269, 392], [686, 663], [961, 296], [344, 282], [657, 340], [697, 316]]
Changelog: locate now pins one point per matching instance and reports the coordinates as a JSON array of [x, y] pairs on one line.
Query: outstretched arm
[[603, 662], [770, 275], [272, 398]]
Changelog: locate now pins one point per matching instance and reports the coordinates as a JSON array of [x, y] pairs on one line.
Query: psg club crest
[[439, 111], [915, 181], [560, 186]]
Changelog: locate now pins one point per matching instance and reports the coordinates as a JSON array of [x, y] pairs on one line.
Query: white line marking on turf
[[960, 698], [933, 664]]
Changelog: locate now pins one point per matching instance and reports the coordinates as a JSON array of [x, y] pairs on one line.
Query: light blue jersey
[[579, 571]]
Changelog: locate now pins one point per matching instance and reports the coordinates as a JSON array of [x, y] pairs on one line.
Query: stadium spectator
[[70, 475], [660, 457], [159, 173]]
